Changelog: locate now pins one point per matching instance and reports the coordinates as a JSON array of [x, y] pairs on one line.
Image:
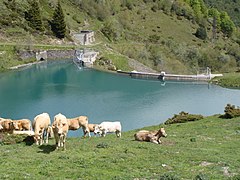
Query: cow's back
[[41, 121]]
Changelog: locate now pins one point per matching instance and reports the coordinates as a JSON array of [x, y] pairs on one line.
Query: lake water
[[61, 87]]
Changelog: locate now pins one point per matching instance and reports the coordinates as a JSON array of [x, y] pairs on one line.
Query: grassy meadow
[[229, 80], [203, 149]]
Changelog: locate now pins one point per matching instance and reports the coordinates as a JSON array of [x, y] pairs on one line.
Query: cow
[[108, 127], [60, 129], [78, 122], [150, 136], [6, 125], [91, 128], [41, 124], [23, 124]]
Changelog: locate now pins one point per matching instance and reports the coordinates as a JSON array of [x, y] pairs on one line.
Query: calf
[[23, 124], [150, 136], [60, 129], [106, 127], [41, 124], [78, 122]]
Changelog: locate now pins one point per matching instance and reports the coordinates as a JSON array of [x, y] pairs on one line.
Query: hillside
[[203, 149], [159, 34]]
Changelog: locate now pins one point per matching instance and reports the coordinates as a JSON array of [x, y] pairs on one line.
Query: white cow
[[108, 127]]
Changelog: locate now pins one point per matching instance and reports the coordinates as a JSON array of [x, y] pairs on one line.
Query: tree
[[58, 24], [227, 26], [33, 16]]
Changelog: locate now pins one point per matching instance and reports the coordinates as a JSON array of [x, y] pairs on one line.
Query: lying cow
[[6, 125], [150, 136], [60, 129], [108, 127], [78, 122], [41, 124], [23, 124]]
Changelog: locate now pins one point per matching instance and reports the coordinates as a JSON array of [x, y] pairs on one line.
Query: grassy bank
[[208, 148], [228, 80]]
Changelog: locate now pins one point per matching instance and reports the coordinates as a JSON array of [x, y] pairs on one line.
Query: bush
[[231, 112], [183, 117], [201, 33]]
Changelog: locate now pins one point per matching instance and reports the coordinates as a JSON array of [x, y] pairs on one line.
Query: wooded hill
[[181, 36]]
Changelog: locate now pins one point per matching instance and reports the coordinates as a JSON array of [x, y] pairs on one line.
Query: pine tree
[[33, 16], [58, 24]]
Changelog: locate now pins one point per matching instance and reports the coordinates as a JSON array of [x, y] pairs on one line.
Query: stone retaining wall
[[51, 54]]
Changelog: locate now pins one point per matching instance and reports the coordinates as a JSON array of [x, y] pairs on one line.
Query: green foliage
[[183, 117], [201, 33], [33, 16], [58, 24], [227, 26], [231, 112], [230, 80], [201, 177]]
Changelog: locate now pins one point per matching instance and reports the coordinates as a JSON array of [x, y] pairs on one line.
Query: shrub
[[168, 177], [201, 33], [231, 112], [183, 117]]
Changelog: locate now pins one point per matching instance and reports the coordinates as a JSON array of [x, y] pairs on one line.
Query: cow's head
[[60, 124], [98, 129], [163, 132], [15, 125]]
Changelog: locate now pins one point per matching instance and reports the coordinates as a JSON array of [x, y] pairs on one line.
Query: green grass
[[203, 147], [229, 80]]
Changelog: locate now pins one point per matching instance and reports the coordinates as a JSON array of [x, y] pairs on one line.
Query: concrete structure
[[85, 57], [84, 37], [41, 55]]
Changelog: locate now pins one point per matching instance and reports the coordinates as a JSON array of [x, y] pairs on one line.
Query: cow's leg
[[41, 138], [118, 133], [103, 133], [46, 135], [64, 141]]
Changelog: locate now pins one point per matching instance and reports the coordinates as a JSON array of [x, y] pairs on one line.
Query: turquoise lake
[[61, 87]]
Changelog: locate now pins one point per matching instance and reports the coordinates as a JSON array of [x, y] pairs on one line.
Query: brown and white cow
[[78, 122], [22, 124], [91, 128], [60, 129], [6, 125], [150, 136], [41, 124]]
